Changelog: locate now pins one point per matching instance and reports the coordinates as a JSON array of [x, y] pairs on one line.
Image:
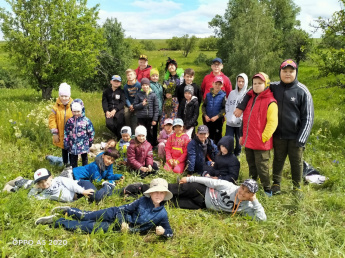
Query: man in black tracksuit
[[295, 120], [113, 102]]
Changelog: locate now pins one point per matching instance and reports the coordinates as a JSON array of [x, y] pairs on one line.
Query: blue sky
[[154, 19]]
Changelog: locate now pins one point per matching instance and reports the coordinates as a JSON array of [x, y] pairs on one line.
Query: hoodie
[[226, 167], [231, 103], [79, 133]]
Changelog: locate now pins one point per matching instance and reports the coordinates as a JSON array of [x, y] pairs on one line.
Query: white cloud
[[157, 6]]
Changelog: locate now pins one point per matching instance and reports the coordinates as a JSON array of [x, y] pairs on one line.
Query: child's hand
[[212, 164], [55, 138], [154, 122], [144, 102], [253, 198], [207, 119], [207, 175], [171, 162], [168, 95], [149, 168], [214, 118], [124, 227], [183, 180], [214, 177], [88, 192], [112, 113], [131, 108], [238, 112], [240, 140], [160, 230], [144, 169], [107, 114]]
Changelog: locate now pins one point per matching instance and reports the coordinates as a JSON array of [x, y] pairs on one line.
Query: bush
[[202, 58], [7, 80], [148, 45]]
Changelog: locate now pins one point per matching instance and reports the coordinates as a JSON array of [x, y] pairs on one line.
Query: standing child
[[188, 110], [139, 216], [143, 70], [163, 137], [295, 121], [188, 80], [213, 109], [113, 103], [79, 134], [260, 120], [158, 90], [122, 145], [233, 123], [146, 108], [139, 154], [131, 88], [226, 165], [176, 148], [61, 112]]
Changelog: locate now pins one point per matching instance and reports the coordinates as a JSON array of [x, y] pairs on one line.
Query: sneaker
[[45, 220], [8, 188], [275, 189], [133, 189], [111, 185], [67, 172], [13, 182], [25, 183], [60, 209], [268, 193]]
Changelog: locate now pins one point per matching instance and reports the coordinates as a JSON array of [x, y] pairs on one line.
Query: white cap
[[41, 174]]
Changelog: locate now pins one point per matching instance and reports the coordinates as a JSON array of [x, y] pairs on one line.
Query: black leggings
[[74, 160]]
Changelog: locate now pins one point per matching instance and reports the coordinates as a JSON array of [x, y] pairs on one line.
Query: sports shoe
[[45, 220], [67, 172], [268, 193], [25, 183], [12, 182], [133, 189], [275, 189], [60, 209], [8, 188]]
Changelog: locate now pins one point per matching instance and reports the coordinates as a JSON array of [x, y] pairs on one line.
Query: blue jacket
[[92, 172], [141, 215], [196, 158], [214, 104]]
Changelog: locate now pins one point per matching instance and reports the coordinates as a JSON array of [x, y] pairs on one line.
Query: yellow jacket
[[58, 118]]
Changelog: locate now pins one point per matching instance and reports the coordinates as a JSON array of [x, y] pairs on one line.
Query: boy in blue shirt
[[131, 89]]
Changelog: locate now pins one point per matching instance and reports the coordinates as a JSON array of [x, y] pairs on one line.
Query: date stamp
[[56, 242]]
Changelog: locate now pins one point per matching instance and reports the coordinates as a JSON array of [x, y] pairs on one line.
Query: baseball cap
[[116, 78], [288, 62], [168, 121], [202, 129], [251, 184], [143, 57], [178, 121], [218, 79], [217, 59], [41, 174]]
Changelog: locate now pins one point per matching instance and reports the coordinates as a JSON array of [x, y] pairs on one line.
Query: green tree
[[209, 43], [175, 43], [114, 59], [188, 44], [51, 41], [148, 45]]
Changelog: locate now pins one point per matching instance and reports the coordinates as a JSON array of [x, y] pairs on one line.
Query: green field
[[313, 227]]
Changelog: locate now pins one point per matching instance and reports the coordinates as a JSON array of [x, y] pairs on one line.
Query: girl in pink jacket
[[176, 148]]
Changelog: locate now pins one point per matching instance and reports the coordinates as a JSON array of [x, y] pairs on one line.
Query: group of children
[[262, 126]]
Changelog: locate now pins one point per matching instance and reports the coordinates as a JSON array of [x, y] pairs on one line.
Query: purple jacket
[[139, 155]]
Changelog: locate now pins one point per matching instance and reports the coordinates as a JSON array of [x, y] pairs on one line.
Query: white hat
[[41, 174], [159, 185], [140, 130], [126, 129], [76, 106], [64, 90]]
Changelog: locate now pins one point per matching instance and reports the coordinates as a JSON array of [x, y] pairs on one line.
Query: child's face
[[168, 128], [154, 77], [45, 183], [110, 144], [115, 84], [223, 150], [202, 136], [171, 68], [188, 78], [178, 129], [64, 99], [131, 76], [145, 87], [187, 95], [288, 75], [142, 63], [126, 137], [258, 85], [76, 113], [157, 197], [244, 194], [107, 160], [240, 83], [217, 86], [141, 138], [217, 67]]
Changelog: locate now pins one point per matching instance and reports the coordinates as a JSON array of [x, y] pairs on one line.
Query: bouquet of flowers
[[169, 87]]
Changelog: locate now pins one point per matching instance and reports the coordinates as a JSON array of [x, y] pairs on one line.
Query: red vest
[[255, 120]]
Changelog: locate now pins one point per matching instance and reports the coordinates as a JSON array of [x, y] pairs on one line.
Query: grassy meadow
[[313, 227]]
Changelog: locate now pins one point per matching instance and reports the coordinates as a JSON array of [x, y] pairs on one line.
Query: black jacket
[[189, 113], [295, 111], [113, 100], [180, 92], [150, 110]]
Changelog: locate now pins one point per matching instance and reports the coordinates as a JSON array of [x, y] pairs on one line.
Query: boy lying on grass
[[220, 195], [139, 216]]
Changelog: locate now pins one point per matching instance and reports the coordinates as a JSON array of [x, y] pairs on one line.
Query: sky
[[163, 19]]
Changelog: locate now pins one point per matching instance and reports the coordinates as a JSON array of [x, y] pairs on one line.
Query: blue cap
[[178, 121], [116, 78], [217, 59]]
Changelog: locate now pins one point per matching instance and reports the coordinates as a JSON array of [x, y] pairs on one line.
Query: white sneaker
[[45, 220], [67, 172]]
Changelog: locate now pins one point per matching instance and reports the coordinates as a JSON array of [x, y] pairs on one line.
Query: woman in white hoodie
[[233, 124]]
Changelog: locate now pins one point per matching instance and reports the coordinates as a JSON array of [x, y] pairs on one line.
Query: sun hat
[[159, 185]]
